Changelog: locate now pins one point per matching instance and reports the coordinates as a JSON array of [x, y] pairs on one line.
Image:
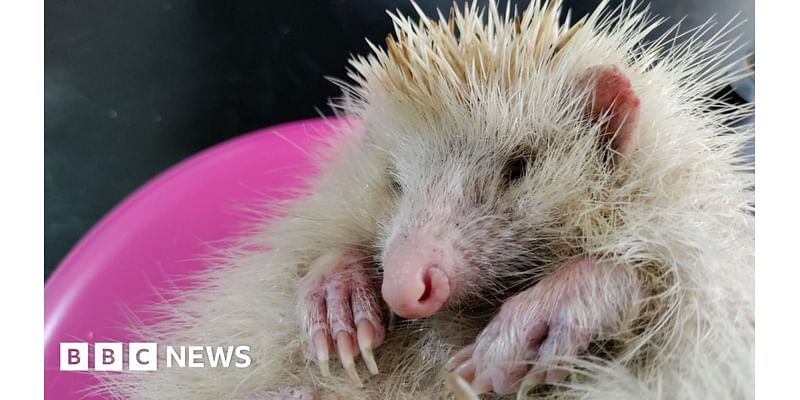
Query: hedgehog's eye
[[514, 170], [395, 185]]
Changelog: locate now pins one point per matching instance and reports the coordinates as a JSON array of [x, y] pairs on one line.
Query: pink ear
[[612, 98]]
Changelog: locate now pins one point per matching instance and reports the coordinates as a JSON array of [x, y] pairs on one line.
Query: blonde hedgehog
[[515, 207]]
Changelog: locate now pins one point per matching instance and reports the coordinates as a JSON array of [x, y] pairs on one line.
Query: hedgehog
[[512, 206]]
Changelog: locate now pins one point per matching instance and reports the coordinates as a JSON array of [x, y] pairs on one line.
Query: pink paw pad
[[342, 311]]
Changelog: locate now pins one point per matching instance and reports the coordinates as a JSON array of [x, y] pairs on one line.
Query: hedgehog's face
[[476, 215]]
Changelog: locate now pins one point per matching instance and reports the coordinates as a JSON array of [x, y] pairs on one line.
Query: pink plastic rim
[[159, 233]]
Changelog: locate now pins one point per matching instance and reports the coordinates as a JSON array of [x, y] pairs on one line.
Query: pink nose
[[419, 295], [415, 284]]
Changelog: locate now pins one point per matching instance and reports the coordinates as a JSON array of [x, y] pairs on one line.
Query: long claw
[[321, 346], [459, 358], [466, 371], [556, 374], [534, 377], [482, 384], [344, 345], [460, 388], [366, 334]]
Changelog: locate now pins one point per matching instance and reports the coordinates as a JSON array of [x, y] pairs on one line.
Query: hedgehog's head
[[479, 210], [490, 132]]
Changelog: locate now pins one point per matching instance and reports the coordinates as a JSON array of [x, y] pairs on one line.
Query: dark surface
[[132, 87]]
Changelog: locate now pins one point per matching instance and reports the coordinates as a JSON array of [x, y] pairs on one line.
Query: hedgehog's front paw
[[538, 331], [340, 308]]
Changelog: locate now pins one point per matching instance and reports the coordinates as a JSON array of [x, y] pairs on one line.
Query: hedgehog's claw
[[346, 350], [321, 346], [458, 359], [482, 384], [366, 338], [557, 374], [341, 308], [533, 338], [458, 387], [466, 371]]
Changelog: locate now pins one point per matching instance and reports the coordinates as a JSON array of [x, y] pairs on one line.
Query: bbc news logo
[[75, 356]]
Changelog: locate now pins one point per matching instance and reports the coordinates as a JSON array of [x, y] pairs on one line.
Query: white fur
[[678, 210]]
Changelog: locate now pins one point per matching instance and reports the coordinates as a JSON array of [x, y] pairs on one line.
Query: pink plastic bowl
[[159, 234]]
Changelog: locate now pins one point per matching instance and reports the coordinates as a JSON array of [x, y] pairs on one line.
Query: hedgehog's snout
[[418, 275]]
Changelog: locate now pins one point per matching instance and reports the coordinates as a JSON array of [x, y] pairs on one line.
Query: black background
[[132, 87]]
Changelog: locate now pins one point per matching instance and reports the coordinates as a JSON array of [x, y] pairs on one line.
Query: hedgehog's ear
[[613, 102]]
